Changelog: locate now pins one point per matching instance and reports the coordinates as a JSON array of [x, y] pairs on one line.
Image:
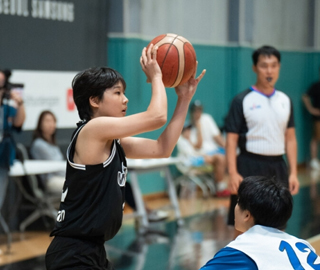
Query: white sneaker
[[155, 216], [314, 164]]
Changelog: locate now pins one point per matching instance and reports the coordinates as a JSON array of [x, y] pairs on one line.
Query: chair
[[201, 176], [41, 202]]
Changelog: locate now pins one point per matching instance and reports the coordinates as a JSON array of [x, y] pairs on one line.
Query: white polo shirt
[[261, 121]]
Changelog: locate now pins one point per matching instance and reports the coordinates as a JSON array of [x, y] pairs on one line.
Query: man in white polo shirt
[[260, 123]]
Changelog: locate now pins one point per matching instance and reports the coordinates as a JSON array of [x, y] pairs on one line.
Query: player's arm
[[108, 128], [164, 145], [307, 102], [231, 153], [291, 151]]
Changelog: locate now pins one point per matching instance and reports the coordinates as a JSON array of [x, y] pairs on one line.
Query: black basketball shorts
[[249, 164], [72, 253]]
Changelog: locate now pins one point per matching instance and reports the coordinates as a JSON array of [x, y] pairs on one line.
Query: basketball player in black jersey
[[93, 194]]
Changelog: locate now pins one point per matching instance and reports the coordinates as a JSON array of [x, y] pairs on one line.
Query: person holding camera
[[12, 116]]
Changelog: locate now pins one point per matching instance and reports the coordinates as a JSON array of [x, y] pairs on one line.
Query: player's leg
[[218, 162], [248, 165], [280, 171]]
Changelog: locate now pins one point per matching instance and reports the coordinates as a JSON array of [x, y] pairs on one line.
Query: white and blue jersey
[[265, 248]]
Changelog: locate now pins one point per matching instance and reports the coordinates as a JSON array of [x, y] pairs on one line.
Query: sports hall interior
[[82, 34]]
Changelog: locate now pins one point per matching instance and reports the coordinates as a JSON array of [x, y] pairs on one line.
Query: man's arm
[[307, 102], [291, 151], [198, 144], [220, 140], [231, 150]]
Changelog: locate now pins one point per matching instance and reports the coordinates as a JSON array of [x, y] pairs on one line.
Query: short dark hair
[[266, 51], [196, 105], [268, 201], [93, 82], [7, 74]]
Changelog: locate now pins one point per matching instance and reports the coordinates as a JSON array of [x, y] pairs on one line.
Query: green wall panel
[[229, 71]]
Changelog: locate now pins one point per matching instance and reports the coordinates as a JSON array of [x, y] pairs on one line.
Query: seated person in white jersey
[[264, 206], [194, 158], [93, 196], [206, 138]]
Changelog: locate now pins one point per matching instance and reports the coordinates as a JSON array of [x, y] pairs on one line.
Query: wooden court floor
[[305, 223]]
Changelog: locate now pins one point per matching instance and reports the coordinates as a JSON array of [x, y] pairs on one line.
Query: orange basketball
[[176, 58]]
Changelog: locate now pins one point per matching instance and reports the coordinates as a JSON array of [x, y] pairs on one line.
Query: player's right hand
[[234, 182], [149, 64]]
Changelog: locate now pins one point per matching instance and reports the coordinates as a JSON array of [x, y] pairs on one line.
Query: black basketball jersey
[[92, 200]]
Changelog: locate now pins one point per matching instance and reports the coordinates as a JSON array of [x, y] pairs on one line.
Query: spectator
[[311, 100], [264, 206], [206, 138], [12, 116], [44, 147]]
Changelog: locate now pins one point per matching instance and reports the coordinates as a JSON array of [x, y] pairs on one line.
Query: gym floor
[[168, 246]]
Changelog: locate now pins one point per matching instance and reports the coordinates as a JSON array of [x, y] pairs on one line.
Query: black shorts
[[72, 253], [249, 164]]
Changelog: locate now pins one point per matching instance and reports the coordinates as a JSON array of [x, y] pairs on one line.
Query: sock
[[221, 186]]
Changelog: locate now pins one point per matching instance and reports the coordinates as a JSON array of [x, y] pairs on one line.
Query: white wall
[[47, 90], [317, 25], [205, 21], [281, 23]]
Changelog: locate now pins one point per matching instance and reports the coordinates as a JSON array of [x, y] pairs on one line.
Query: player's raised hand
[[149, 64]]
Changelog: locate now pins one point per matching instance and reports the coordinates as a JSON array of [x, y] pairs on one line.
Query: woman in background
[[44, 147]]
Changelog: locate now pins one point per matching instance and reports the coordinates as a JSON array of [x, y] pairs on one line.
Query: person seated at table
[[197, 158], [44, 147], [264, 206]]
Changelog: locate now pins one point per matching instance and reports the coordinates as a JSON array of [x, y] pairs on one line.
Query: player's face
[[48, 125], [114, 102], [267, 70]]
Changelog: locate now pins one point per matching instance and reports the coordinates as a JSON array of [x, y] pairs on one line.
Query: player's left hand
[[189, 88], [293, 184]]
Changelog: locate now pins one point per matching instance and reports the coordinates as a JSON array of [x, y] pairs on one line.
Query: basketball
[[176, 58]]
